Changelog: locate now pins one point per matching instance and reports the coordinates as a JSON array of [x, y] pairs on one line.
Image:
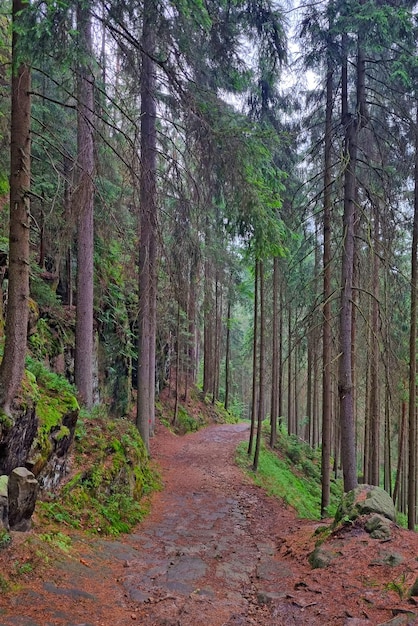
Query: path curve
[[208, 552]]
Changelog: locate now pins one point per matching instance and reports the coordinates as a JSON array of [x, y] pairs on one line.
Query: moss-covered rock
[[379, 527], [111, 473], [363, 500], [40, 430], [321, 557]]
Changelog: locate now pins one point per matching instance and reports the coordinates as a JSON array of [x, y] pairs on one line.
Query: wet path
[[201, 555], [206, 554]]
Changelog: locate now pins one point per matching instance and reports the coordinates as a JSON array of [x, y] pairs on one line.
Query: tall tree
[[412, 430], [148, 229], [12, 365], [326, 332], [85, 199]]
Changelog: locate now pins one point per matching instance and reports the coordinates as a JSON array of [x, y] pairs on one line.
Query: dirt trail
[[214, 551]]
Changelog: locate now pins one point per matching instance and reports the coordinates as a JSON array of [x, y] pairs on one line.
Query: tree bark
[[261, 369], [83, 366], [148, 231], [13, 363], [227, 354], [412, 428], [275, 355], [374, 412], [255, 346], [326, 327]]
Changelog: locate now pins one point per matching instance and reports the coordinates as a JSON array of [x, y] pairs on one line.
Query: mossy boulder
[[364, 500], [378, 527], [41, 427]]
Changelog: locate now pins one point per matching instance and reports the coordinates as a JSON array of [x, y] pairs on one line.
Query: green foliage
[[5, 539], [293, 475], [399, 586], [57, 540], [4, 584], [4, 184], [226, 417], [41, 291], [187, 423], [106, 495], [20, 569]]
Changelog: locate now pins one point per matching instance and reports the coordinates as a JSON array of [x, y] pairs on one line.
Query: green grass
[[291, 474]]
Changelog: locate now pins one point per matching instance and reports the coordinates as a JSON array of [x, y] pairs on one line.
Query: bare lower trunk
[[255, 345], [275, 355], [261, 369]]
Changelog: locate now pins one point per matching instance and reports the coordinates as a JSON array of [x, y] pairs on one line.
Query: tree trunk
[[374, 412], [326, 328], [254, 386], [290, 428], [401, 446], [84, 345], [261, 369], [148, 231], [412, 459], [177, 387], [351, 124], [13, 363], [275, 355], [227, 354], [208, 332]]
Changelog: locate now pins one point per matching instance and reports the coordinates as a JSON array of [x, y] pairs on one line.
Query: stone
[[321, 557], [406, 619], [414, 589], [4, 503], [4, 481], [378, 527], [22, 493], [363, 500]]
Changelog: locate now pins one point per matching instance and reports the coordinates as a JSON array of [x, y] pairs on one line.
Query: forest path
[[214, 551]]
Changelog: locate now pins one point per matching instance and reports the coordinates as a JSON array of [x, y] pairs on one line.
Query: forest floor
[[215, 550]]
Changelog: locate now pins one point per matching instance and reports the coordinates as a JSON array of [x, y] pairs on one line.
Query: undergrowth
[[111, 478], [196, 414], [291, 473]]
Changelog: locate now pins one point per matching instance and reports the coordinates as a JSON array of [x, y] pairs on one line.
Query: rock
[[378, 527], [4, 502], [392, 558], [16, 440], [363, 500], [401, 620], [414, 589], [321, 557], [22, 493]]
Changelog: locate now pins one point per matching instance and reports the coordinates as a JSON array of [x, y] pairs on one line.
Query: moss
[[6, 421], [107, 494], [63, 432]]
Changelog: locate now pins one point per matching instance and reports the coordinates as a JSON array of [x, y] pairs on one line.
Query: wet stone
[[179, 587], [186, 568], [70, 593], [20, 621], [271, 571], [120, 550]]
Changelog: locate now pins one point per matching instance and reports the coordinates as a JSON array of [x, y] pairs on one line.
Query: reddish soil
[[214, 551]]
